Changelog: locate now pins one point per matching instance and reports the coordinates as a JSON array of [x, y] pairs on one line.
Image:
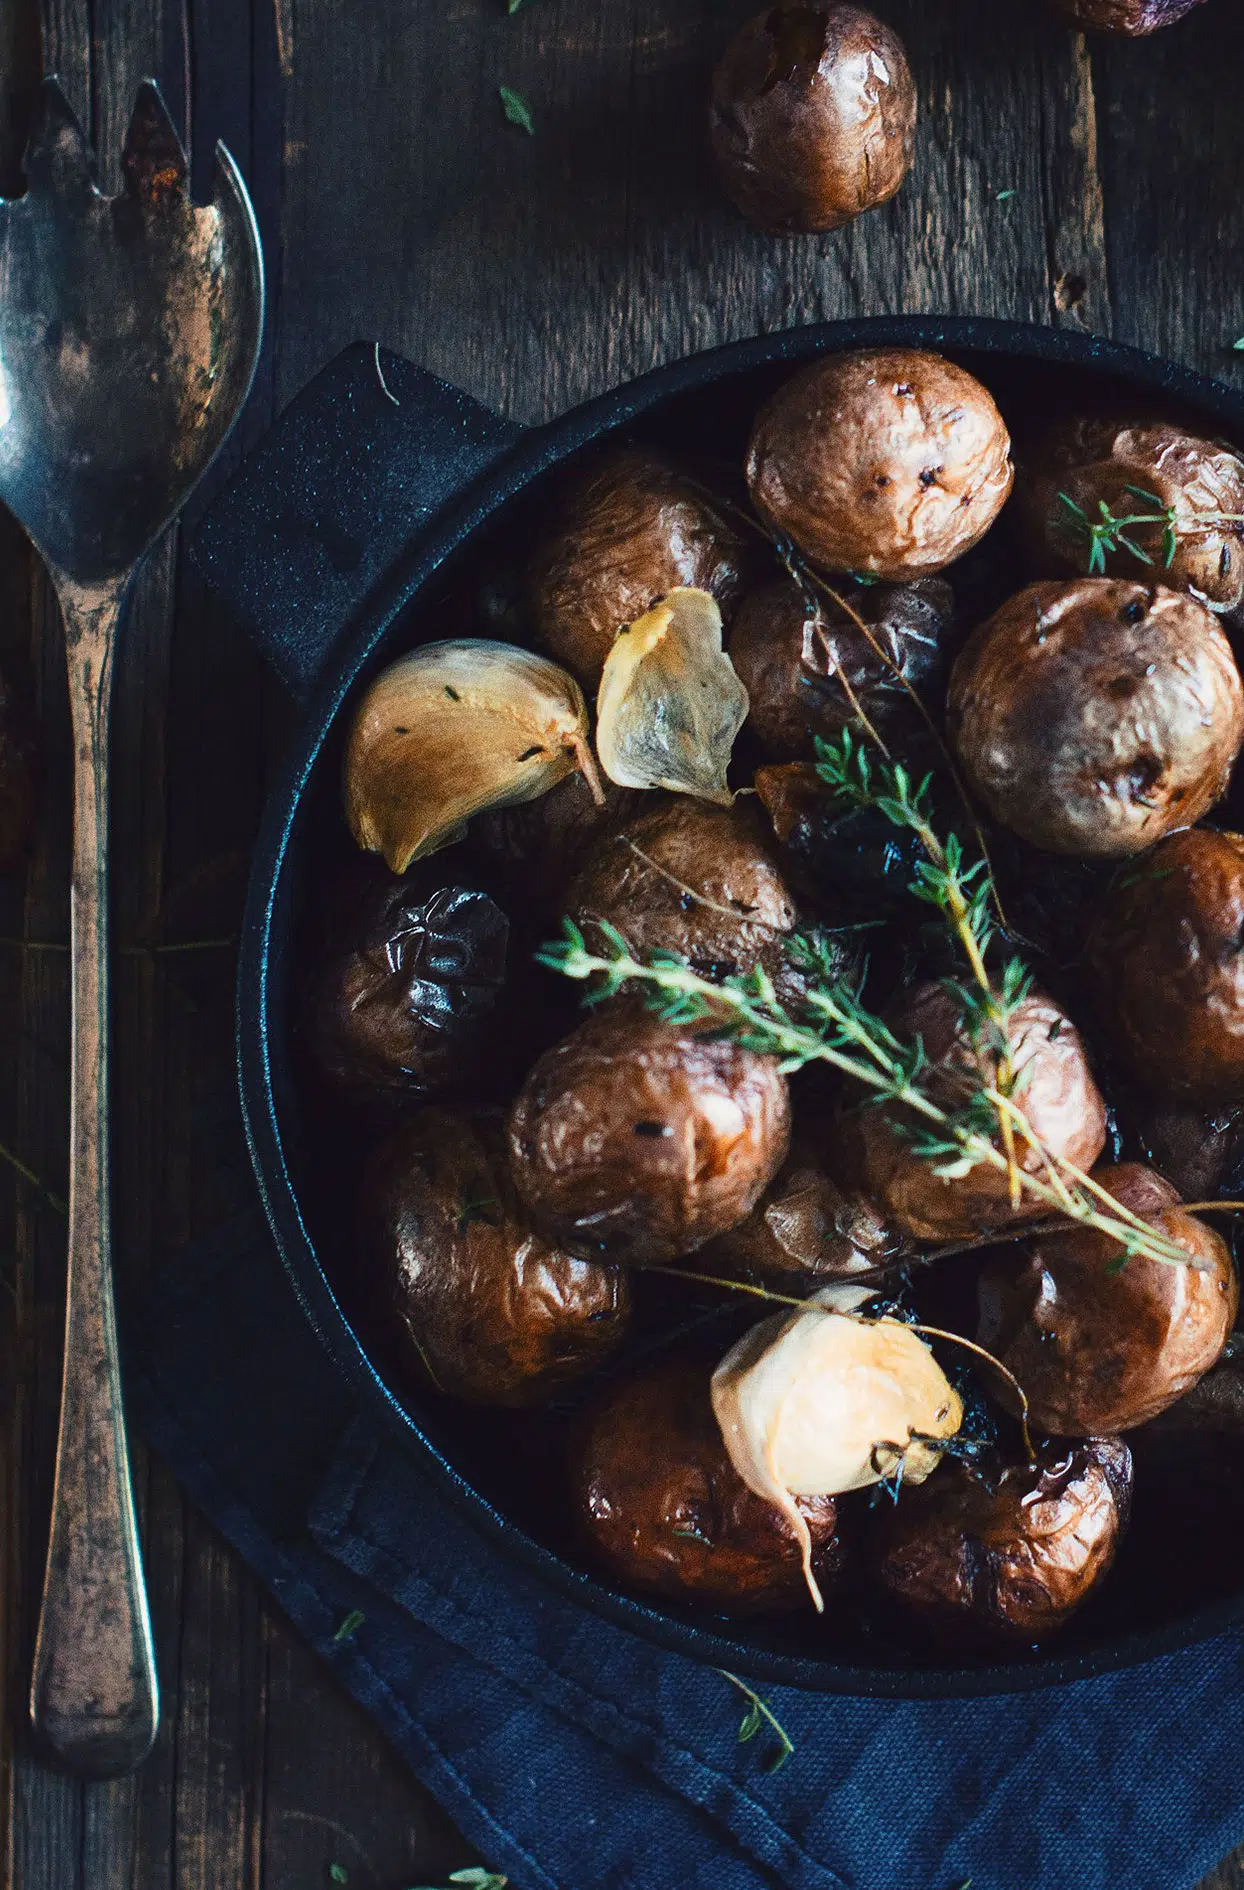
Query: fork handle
[[94, 1700]]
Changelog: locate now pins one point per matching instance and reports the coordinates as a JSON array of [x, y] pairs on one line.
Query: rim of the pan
[[532, 455]]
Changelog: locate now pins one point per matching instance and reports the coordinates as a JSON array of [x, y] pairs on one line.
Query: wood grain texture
[[397, 204]]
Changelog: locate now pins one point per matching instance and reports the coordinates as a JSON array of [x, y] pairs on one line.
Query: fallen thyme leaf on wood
[[1005, 196], [475, 1877], [516, 109], [758, 1713], [350, 1626], [338, 1873]]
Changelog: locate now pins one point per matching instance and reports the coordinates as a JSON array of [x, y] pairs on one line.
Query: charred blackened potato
[[1131, 18], [403, 1005], [1178, 503], [807, 1230], [1168, 956], [825, 842], [1199, 1153], [1014, 1557], [1101, 1348], [494, 1313], [808, 667], [664, 1508], [1053, 1082], [697, 883], [639, 1141], [893, 462], [1093, 717], [633, 530], [812, 116]]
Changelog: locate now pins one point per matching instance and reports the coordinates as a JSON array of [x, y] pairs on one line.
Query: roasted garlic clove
[[821, 1401], [670, 704], [452, 729]]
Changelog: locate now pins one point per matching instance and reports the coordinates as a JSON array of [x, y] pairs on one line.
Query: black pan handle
[[319, 513]]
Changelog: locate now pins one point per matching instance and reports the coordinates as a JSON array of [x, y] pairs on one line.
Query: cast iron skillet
[[374, 488]]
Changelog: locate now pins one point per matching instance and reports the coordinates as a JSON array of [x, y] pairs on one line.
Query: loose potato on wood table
[[1010, 1555], [1139, 501], [496, 1314], [1131, 18], [894, 462], [662, 1505], [812, 116], [402, 1005], [630, 530], [809, 668], [1168, 962], [1052, 1083], [1102, 1346], [1092, 717], [639, 1141]]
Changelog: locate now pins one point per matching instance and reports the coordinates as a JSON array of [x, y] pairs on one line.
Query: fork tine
[[57, 155], [153, 161]]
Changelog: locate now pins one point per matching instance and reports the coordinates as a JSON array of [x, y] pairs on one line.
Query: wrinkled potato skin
[[1091, 461], [1095, 716], [664, 1508], [694, 881], [1169, 968], [812, 117], [894, 462], [639, 1141], [1060, 1100], [807, 1229], [631, 531], [404, 1005], [1131, 18], [1097, 1351], [793, 653], [1016, 1563], [494, 1313]]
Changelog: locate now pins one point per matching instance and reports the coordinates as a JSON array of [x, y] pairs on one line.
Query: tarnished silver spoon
[[129, 332]]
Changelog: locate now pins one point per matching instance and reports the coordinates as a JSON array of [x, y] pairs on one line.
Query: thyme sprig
[[1109, 532], [759, 1713], [839, 1030], [962, 893]]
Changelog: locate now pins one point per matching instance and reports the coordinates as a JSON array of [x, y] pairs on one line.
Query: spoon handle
[[93, 1699]]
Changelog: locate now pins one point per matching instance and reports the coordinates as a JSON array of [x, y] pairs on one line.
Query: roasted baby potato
[[539, 846], [812, 116], [826, 843], [1093, 717], [1200, 1154], [1131, 18], [1010, 1558], [892, 462], [807, 1230], [696, 883], [1191, 492], [809, 668], [630, 531], [402, 1006], [637, 1140], [493, 1312], [1060, 1100], [1168, 959], [1099, 1348], [663, 1507]]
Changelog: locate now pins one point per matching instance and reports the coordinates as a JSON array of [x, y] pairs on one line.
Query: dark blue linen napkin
[[562, 1745]]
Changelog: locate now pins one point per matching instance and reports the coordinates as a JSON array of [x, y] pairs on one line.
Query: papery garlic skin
[[670, 704], [821, 1401], [452, 729]]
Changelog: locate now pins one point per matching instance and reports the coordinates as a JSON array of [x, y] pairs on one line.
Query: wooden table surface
[[1056, 181]]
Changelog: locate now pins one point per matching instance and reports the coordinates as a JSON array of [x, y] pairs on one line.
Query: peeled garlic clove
[[819, 1401], [455, 728], [670, 704]]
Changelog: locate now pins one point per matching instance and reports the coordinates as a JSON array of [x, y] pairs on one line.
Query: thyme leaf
[[516, 109], [759, 1713]]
